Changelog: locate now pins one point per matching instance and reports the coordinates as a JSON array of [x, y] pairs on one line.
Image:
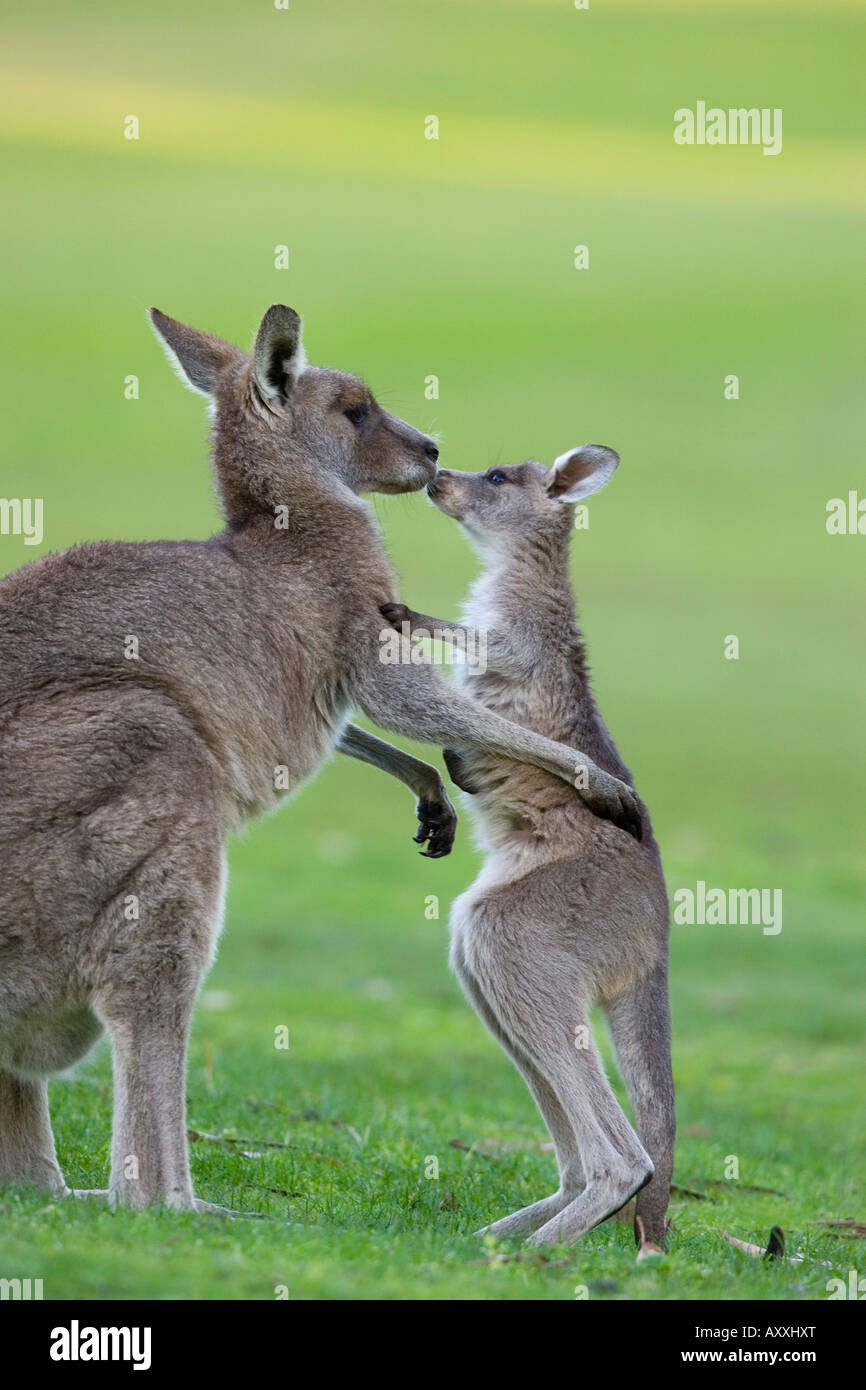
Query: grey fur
[[123, 772], [567, 911]]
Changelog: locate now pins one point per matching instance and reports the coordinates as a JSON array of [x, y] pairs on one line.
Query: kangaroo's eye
[[357, 414], [497, 476]]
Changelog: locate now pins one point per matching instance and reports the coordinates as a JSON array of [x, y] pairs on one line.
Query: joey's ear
[[278, 352], [198, 358], [581, 471]]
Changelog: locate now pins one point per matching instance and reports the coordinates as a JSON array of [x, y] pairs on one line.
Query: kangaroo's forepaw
[[437, 824], [456, 765], [395, 614], [610, 799]]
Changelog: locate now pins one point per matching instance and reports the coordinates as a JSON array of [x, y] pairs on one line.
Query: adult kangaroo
[[154, 697]]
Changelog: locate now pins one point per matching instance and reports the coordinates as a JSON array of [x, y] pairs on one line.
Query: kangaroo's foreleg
[[419, 624], [437, 819], [499, 645], [415, 700]]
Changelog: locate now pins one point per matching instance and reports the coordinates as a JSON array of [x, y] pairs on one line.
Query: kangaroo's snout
[[439, 480], [418, 466], [445, 492], [430, 451], [404, 458]]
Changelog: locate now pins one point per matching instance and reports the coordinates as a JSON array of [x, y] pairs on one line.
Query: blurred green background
[[411, 257]]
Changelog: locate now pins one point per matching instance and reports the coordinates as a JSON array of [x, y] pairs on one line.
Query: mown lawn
[[454, 258]]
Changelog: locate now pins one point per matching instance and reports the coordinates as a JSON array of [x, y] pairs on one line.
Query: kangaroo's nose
[[431, 450]]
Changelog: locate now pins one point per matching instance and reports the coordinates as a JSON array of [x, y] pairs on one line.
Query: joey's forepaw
[[395, 614], [437, 824], [610, 799], [456, 765]]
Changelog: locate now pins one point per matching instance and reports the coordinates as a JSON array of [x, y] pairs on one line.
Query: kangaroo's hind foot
[[528, 1219], [599, 1200]]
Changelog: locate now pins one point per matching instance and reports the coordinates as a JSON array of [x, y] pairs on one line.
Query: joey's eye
[[357, 414], [497, 476]]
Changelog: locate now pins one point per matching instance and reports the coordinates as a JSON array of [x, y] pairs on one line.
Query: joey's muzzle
[[438, 483], [442, 494]]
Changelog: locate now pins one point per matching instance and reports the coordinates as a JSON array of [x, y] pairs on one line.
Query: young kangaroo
[[566, 912], [154, 697]]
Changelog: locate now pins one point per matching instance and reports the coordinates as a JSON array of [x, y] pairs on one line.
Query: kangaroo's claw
[[437, 824], [610, 799]]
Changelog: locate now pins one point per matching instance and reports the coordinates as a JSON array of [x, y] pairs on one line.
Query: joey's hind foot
[[594, 1204], [528, 1219]]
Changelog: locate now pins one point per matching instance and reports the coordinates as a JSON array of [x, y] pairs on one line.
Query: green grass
[[408, 258]]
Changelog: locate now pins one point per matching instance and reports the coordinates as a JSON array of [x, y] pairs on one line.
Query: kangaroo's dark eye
[[357, 414], [497, 476]]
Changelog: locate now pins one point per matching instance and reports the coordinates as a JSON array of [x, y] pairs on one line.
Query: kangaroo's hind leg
[[146, 984], [571, 1180], [27, 1151], [615, 1163], [535, 982], [640, 1026]]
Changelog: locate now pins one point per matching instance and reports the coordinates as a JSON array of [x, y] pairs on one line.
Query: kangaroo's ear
[[581, 471], [278, 353], [198, 358]]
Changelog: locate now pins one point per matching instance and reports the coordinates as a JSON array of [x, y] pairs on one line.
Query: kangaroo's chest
[[504, 693]]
